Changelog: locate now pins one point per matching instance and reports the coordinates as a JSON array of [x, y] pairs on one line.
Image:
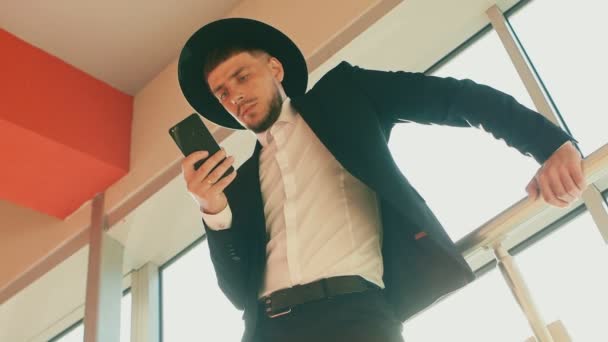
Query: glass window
[[567, 275], [563, 39], [465, 175], [193, 306], [482, 311], [125, 318], [76, 333]]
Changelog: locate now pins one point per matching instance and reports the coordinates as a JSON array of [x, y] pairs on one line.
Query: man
[[320, 237]]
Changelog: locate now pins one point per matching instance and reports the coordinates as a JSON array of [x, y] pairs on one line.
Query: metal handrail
[[595, 167]]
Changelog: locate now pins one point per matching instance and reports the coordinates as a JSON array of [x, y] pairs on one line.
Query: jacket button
[[236, 258]]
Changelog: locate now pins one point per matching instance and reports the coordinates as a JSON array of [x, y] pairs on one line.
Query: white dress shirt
[[320, 220]]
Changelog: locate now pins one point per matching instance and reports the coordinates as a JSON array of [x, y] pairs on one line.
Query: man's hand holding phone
[[206, 184]]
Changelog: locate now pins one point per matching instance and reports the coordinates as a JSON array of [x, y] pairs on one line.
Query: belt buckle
[[268, 305]]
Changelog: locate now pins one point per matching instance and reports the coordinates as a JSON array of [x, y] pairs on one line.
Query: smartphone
[[191, 135]]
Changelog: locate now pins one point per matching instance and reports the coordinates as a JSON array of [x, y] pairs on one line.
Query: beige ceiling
[[123, 43]]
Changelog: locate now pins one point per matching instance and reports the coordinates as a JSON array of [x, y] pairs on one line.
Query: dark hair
[[220, 54]]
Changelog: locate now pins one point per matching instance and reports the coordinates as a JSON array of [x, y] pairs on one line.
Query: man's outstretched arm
[[405, 96]]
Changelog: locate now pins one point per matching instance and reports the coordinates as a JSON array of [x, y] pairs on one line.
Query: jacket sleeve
[[406, 96], [229, 256]]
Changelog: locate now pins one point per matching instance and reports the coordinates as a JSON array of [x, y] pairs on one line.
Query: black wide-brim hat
[[242, 32]]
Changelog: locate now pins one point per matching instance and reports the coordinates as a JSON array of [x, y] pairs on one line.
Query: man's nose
[[237, 99]]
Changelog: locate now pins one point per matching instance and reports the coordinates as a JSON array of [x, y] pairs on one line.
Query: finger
[[569, 185], [190, 160], [532, 189], [561, 198], [558, 186], [547, 192], [208, 165], [576, 172], [223, 183], [217, 173]]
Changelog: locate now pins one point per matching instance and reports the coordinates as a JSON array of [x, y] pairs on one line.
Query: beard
[[274, 110]]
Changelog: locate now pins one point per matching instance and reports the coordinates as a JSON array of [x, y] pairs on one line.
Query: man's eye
[[243, 77], [222, 96]]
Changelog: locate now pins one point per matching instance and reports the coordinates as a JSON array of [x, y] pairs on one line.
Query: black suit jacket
[[352, 112]]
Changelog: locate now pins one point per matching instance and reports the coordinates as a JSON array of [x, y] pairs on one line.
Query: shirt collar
[[287, 116]]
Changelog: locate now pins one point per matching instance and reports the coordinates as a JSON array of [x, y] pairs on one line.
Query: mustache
[[244, 104]]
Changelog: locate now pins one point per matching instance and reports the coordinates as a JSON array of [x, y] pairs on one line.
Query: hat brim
[[240, 31]]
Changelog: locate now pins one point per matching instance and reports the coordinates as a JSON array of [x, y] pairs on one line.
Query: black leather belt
[[280, 302]]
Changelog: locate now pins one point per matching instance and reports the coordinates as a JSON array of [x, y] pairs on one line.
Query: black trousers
[[355, 317]]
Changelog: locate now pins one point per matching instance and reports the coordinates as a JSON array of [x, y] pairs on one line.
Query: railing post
[[516, 283], [104, 280], [597, 208], [145, 316]]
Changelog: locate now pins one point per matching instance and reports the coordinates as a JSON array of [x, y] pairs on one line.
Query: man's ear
[[277, 68]]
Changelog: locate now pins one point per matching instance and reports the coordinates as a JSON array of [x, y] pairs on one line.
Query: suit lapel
[[335, 135], [246, 196], [256, 191], [323, 126]]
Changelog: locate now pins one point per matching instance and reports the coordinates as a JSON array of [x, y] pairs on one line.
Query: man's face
[[249, 87]]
